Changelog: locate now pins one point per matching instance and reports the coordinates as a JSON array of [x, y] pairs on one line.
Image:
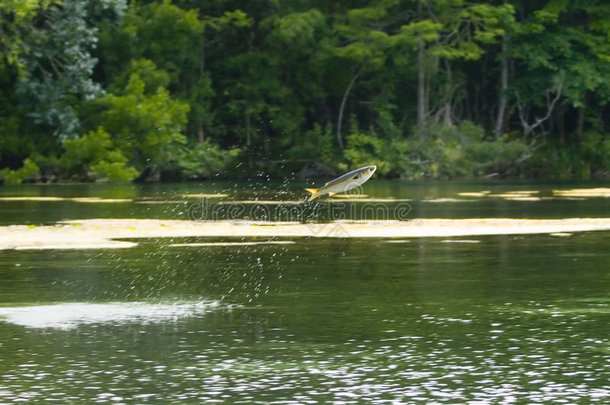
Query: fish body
[[343, 183]]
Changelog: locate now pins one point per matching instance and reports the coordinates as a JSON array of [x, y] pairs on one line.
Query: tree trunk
[[202, 53], [248, 139], [561, 125], [200, 130], [503, 88], [448, 94], [421, 80], [580, 124], [342, 106]]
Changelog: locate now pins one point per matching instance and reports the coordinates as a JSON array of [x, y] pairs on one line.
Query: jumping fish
[[344, 183]]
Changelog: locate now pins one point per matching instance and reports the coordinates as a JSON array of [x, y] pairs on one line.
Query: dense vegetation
[[111, 90]]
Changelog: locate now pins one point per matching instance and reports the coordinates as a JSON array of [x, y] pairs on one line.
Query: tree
[[169, 83], [16, 18], [145, 123], [564, 42], [45, 70], [456, 31], [171, 38], [363, 41], [58, 65]]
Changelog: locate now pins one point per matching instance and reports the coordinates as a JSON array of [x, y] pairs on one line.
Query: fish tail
[[314, 193]]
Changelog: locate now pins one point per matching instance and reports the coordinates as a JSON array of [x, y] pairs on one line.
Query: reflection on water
[[496, 319], [71, 315], [40, 205]]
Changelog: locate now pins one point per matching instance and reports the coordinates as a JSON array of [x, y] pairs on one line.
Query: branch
[[342, 106], [528, 128], [522, 115], [550, 106]]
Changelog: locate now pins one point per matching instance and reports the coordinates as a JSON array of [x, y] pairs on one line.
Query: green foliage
[[425, 30], [591, 160], [448, 152], [463, 151], [298, 29], [22, 10], [13, 177], [16, 17], [57, 65], [135, 84], [375, 11], [364, 150], [570, 38], [95, 157], [315, 145], [144, 71], [596, 152], [361, 43], [145, 122], [467, 27], [165, 34], [11, 144], [503, 157], [204, 160], [235, 18]]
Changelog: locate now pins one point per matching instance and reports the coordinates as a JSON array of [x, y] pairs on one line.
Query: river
[[519, 318]]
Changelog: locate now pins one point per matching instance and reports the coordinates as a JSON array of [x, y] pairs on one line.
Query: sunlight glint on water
[[508, 319]]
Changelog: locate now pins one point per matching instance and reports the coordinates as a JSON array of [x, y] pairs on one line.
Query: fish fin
[[314, 193], [331, 194]]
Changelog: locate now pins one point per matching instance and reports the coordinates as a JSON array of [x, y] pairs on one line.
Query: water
[[492, 319]]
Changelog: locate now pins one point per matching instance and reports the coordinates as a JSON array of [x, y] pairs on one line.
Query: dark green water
[[494, 319]]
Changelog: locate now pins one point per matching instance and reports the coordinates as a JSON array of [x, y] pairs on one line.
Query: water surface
[[493, 319]]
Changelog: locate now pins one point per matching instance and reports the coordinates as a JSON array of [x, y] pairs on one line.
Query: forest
[[111, 90]]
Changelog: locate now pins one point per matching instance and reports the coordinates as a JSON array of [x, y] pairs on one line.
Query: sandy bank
[[75, 199], [584, 192], [101, 233]]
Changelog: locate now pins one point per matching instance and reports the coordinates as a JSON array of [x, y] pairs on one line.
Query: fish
[[343, 183]]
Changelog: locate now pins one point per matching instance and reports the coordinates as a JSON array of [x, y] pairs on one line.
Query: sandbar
[[75, 199], [217, 195], [103, 233], [224, 244], [584, 192]]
